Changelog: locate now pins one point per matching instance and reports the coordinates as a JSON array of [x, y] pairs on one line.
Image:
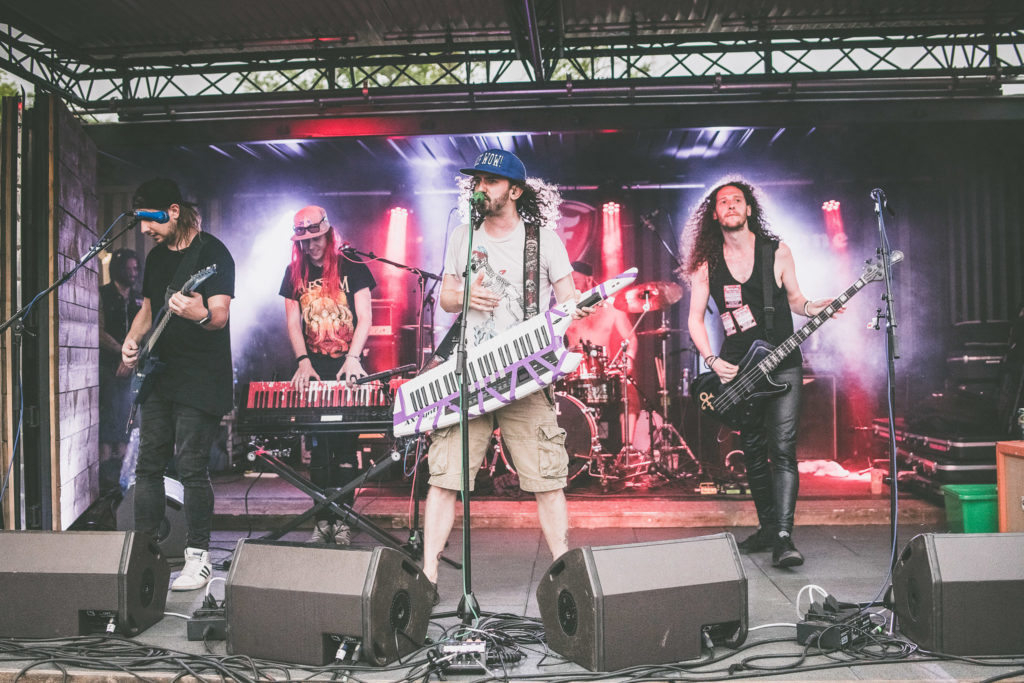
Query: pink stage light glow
[[611, 240], [834, 225], [396, 249]]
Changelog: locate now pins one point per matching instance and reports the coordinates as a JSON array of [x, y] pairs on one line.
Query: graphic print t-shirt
[[328, 321], [501, 262]]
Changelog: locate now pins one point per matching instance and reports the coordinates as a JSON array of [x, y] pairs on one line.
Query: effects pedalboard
[[829, 627], [469, 657]]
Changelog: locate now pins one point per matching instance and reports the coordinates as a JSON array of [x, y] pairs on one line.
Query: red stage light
[[834, 225], [395, 250], [611, 240]]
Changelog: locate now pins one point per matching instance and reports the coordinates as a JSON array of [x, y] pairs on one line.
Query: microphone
[[157, 216], [386, 373], [879, 196], [478, 200]]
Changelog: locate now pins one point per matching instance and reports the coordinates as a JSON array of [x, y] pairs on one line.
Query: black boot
[[785, 554]]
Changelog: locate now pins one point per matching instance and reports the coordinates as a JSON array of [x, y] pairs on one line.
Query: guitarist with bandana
[[734, 259]]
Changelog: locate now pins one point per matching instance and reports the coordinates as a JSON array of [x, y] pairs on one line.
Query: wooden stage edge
[[592, 513]]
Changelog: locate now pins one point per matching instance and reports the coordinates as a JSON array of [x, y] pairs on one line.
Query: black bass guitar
[[149, 364], [736, 403]]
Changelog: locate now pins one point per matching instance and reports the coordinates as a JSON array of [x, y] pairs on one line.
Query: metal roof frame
[[536, 56]]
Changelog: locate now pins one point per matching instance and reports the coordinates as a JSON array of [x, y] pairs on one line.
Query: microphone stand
[[17, 321], [94, 251], [649, 224], [415, 542], [891, 354], [468, 608]]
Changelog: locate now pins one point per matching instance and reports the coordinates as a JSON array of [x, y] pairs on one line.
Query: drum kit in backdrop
[[614, 432]]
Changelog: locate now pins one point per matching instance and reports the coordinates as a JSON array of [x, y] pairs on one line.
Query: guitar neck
[[164, 317], [772, 360]]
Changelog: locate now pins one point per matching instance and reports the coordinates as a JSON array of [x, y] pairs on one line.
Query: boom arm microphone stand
[[17, 323], [891, 354], [415, 542], [102, 243]]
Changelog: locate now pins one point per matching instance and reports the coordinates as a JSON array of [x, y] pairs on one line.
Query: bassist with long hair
[[731, 256]]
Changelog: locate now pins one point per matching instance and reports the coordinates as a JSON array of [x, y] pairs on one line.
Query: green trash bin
[[971, 508]]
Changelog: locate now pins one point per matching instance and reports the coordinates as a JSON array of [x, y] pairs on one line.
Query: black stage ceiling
[[250, 58]]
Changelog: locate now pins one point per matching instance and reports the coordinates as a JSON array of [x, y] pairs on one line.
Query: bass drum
[[580, 437]]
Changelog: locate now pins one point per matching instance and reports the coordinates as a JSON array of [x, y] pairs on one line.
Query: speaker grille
[[568, 613]]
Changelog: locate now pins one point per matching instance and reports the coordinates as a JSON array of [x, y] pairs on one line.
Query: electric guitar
[[149, 364], [736, 402]]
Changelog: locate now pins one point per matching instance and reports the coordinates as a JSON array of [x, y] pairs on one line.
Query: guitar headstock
[[873, 268], [199, 278]]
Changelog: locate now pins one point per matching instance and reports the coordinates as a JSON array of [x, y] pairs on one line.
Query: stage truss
[[541, 51]]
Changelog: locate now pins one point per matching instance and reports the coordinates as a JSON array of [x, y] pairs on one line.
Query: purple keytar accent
[[555, 321]]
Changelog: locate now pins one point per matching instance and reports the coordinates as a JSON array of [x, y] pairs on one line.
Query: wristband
[[710, 360], [204, 320], [301, 358], [806, 314]]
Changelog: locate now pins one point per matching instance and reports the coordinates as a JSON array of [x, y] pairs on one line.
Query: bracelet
[[355, 356], [806, 314], [301, 358], [204, 320], [710, 360]]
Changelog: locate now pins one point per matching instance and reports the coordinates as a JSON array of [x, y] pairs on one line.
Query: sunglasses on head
[[300, 230]]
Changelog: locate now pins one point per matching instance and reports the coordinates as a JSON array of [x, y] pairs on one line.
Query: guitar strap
[[186, 268], [531, 271], [768, 284]]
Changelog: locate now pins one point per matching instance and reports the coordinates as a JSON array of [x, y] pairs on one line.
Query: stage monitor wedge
[[56, 584], [611, 607], [292, 602], [962, 594]]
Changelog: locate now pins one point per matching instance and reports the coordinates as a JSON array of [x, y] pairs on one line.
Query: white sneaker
[[323, 533], [342, 534], [196, 573]]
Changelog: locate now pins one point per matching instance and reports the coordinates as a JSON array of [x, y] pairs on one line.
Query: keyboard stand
[[331, 501]]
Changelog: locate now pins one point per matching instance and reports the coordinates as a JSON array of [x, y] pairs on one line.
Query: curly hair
[[702, 237], [539, 203]]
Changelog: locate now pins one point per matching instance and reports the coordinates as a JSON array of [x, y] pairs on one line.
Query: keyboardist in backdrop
[[328, 313], [498, 301], [181, 417]]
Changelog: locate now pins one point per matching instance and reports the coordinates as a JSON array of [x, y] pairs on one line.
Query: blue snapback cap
[[500, 163]]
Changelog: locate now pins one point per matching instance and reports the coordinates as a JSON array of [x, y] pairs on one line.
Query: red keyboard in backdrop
[[326, 406]]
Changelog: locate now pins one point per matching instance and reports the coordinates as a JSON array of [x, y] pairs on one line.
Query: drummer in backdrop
[[598, 381]]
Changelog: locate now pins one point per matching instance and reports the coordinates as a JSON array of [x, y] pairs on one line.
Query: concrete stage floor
[[849, 560]]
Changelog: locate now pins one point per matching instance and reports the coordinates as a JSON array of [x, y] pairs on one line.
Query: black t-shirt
[[118, 314], [198, 371], [328, 322], [741, 308]]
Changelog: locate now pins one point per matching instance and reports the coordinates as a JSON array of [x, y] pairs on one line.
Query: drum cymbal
[[654, 295], [661, 331]]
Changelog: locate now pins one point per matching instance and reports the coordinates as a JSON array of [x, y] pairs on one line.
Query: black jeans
[[173, 431], [769, 454]]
